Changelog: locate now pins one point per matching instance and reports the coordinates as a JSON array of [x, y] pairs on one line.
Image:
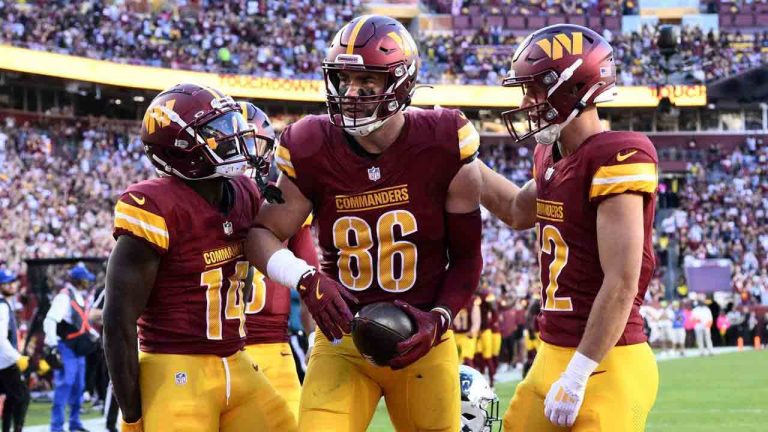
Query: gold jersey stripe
[[469, 141], [308, 222], [142, 215], [645, 186], [288, 169], [142, 224], [355, 31], [283, 153], [625, 170]]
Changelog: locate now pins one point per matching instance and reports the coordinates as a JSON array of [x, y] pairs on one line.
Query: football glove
[[430, 327], [566, 395], [325, 300], [23, 363], [43, 367]]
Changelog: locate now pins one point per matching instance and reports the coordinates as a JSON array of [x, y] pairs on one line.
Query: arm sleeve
[[137, 215], [7, 350], [465, 261], [302, 245], [631, 170]]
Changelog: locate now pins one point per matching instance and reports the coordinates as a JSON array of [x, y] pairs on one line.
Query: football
[[378, 328]]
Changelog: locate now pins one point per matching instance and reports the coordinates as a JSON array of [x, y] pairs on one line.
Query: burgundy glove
[[324, 298], [429, 331]]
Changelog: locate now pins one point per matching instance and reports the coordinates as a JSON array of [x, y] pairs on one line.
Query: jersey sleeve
[[293, 149], [138, 216], [629, 170], [469, 139]]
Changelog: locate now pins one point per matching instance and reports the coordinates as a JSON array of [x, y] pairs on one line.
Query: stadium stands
[[267, 41]]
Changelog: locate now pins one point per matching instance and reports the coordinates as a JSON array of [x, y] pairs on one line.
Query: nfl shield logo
[[548, 173], [374, 173], [228, 228], [181, 378]]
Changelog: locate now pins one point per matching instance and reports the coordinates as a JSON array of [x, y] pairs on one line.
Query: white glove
[[566, 395]]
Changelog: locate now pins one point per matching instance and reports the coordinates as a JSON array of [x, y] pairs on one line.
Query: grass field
[[728, 392]]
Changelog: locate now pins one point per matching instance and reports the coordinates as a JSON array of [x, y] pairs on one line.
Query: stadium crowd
[[263, 39]]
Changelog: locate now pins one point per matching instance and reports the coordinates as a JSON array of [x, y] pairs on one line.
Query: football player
[[178, 271], [466, 328], [592, 202], [395, 195], [489, 340], [268, 306]]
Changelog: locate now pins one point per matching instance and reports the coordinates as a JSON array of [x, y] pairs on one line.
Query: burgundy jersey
[[196, 305], [462, 322], [381, 218], [569, 193], [489, 313], [268, 309]]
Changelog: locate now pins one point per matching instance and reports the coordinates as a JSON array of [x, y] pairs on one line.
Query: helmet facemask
[[220, 139], [540, 118], [367, 111]]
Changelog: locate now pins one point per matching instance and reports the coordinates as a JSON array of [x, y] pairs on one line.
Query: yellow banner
[[152, 78]]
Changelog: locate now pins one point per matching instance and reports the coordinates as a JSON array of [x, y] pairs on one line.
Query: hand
[[564, 399], [52, 357], [429, 330], [325, 300], [43, 367], [137, 426], [23, 363]]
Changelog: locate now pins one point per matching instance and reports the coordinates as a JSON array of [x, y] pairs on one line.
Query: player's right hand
[[325, 300], [137, 426]]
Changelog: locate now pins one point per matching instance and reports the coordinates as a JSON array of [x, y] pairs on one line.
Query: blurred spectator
[[702, 318], [68, 330], [12, 363]]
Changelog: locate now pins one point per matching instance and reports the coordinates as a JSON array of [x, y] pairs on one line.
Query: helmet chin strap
[[550, 134], [364, 130]]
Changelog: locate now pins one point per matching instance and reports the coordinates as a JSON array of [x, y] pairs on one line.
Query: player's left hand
[[566, 395], [429, 330]]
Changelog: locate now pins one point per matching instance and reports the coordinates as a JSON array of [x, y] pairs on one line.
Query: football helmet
[[264, 134], [564, 68], [371, 43], [266, 139], [196, 132], [479, 404]]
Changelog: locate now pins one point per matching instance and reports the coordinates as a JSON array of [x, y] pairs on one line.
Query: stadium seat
[[516, 22], [536, 22], [594, 23], [495, 21], [461, 22], [555, 19], [726, 20], [577, 20], [744, 20], [612, 23]]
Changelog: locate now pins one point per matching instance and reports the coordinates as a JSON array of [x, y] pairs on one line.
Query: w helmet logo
[[157, 118], [554, 47]]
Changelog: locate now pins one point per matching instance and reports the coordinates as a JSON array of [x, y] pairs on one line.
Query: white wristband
[[284, 268], [581, 367]]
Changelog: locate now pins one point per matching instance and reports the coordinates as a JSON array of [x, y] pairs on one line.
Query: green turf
[[727, 392], [40, 413]]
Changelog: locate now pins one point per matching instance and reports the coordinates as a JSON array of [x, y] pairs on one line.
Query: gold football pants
[[619, 395], [342, 389], [191, 393]]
